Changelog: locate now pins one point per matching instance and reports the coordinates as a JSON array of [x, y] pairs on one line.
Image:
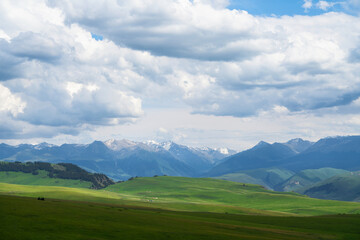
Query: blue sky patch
[[285, 7], [97, 37]]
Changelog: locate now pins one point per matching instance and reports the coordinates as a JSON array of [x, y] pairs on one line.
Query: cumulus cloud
[[324, 5], [214, 3], [349, 6], [192, 53], [43, 62], [10, 103], [34, 46], [172, 28], [354, 54], [10, 66], [307, 4]]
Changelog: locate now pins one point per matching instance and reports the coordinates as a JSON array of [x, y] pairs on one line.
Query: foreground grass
[[28, 218]]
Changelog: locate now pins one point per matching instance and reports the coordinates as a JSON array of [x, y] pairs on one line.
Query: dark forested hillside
[[60, 170]]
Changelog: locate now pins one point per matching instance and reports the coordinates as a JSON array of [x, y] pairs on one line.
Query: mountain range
[[297, 165], [295, 155], [122, 159], [321, 169]]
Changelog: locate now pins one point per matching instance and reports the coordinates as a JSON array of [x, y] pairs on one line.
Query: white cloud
[[60, 71], [324, 5], [178, 54], [10, 103], [281, 109], [214, 3], [171, 28], [3, 35], [73, 88], [307, 4]]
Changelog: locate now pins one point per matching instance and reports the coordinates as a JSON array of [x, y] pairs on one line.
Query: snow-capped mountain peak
[[224, 151], [167, 145], [117, 145], [43, 145]]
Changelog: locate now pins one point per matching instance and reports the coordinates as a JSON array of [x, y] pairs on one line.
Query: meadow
[[168, 208], [29, 218], [42, 179], [192, 194]]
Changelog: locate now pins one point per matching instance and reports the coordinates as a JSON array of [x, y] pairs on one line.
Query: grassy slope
[[23, 218], [192, 194], [201, 191], [242, 178], [308, 177], [41, 179], [345, 187]]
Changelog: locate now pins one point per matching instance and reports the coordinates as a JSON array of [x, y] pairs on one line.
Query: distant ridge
[[122, 159], [298, 145], [295, 155], [262, 155], [335, 152]]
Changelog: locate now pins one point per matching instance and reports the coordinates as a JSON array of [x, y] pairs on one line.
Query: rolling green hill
[[308, 177], [43, 173], [198, 193], [192, 194], [345, 187], [26, 218], [41, 179]]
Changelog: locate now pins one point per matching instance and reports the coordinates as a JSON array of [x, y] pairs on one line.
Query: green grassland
[[28, 218], [214, 192], [192, 194], [41, 179]]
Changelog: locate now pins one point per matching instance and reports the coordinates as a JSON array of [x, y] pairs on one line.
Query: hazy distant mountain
[[315, 166], [334, 152], [263, 155], [121, 159], [6, 150], [298, 145], [201, 159], [296, 155]]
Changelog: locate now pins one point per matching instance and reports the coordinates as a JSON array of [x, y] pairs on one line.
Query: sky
[[216, 73]]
